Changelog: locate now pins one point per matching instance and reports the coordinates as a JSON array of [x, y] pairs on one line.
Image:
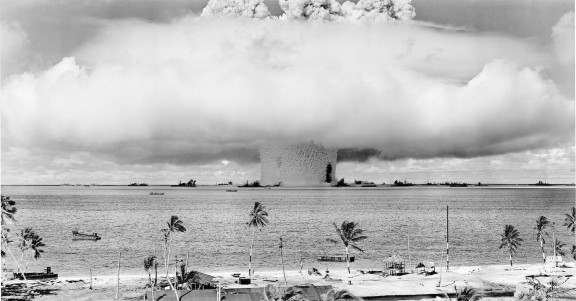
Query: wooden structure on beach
[[394, 265], [46, 275]]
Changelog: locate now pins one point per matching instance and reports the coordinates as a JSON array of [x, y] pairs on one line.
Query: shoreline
[[492, 280]]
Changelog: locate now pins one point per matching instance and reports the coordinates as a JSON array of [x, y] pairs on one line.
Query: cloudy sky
[[114, 92]]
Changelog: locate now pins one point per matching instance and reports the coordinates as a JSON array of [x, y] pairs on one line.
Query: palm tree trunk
[[251, 247], [510, 258], [167, 262], [17, 264], [348, 264], [155, 274], [543, 254], [151, 286]]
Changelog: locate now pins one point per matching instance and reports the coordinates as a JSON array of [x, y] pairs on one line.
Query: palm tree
[[149, 263], [186, 277], [174, 225], [510, 239], [8, 209], [467, 294], [570, 223], [258, 220], [541, 224], [350, 235], [341, 295], [559, 247]]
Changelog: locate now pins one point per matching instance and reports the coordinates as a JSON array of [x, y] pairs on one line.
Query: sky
[[161, 91]]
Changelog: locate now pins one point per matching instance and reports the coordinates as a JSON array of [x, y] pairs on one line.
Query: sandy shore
[[495, 280]]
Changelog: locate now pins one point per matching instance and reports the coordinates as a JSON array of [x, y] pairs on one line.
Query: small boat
[[334, 258], [37, 276], [156, 193], [82, 236], [231, 190]]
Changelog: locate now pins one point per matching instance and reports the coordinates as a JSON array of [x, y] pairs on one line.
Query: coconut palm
[[8, 209], [349, 235], [569, 220], [258, 220], [511, 240], [559, 247], [174, 225], [149, 263], [541, 224], [340, 295], [570, 223], [467, 294], [185, 278]]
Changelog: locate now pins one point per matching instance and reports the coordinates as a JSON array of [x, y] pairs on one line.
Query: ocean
[[405, 221]]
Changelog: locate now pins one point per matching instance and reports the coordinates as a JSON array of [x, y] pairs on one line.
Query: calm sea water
[[129, 219]]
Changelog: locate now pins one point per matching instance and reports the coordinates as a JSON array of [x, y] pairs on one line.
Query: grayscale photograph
[[288, 150]]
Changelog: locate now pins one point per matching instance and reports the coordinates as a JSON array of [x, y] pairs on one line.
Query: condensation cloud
[[200, 90], [332, 10], [236, 8]]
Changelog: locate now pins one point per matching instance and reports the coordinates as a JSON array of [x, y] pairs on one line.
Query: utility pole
[[447, 244]]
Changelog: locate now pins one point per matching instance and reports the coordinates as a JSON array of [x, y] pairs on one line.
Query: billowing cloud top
[[203, 89]]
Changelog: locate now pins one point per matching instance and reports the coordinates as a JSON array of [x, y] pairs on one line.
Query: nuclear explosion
[[304, 164]]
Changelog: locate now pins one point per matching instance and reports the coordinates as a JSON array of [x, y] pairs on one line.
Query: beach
[[495, 282]]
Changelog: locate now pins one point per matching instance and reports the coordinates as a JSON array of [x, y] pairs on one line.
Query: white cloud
[[200, 90]]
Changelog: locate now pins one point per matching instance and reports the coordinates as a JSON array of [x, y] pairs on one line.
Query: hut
[[394, 265], [426, 267]]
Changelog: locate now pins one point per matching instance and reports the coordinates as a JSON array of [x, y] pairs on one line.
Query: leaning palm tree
[[340, 295], [511, 240], [174, 225], [149, 263], [349, 235], [541, 224], [258, 220]]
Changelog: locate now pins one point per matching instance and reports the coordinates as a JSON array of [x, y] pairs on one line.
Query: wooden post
[[301, 265], [282, 258], [90, 279], [187, 254], [118, 281], [409, 259]]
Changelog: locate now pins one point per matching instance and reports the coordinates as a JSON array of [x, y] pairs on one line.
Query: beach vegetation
[[543, 291], [511, 240], [569, 222], [258, 220], [175, 225], [542, 224], [29, 240], [350, 235], [292, 293], [186, 279], [559, 247]]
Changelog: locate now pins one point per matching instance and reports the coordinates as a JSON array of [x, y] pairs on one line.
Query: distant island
[[136, 184]]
